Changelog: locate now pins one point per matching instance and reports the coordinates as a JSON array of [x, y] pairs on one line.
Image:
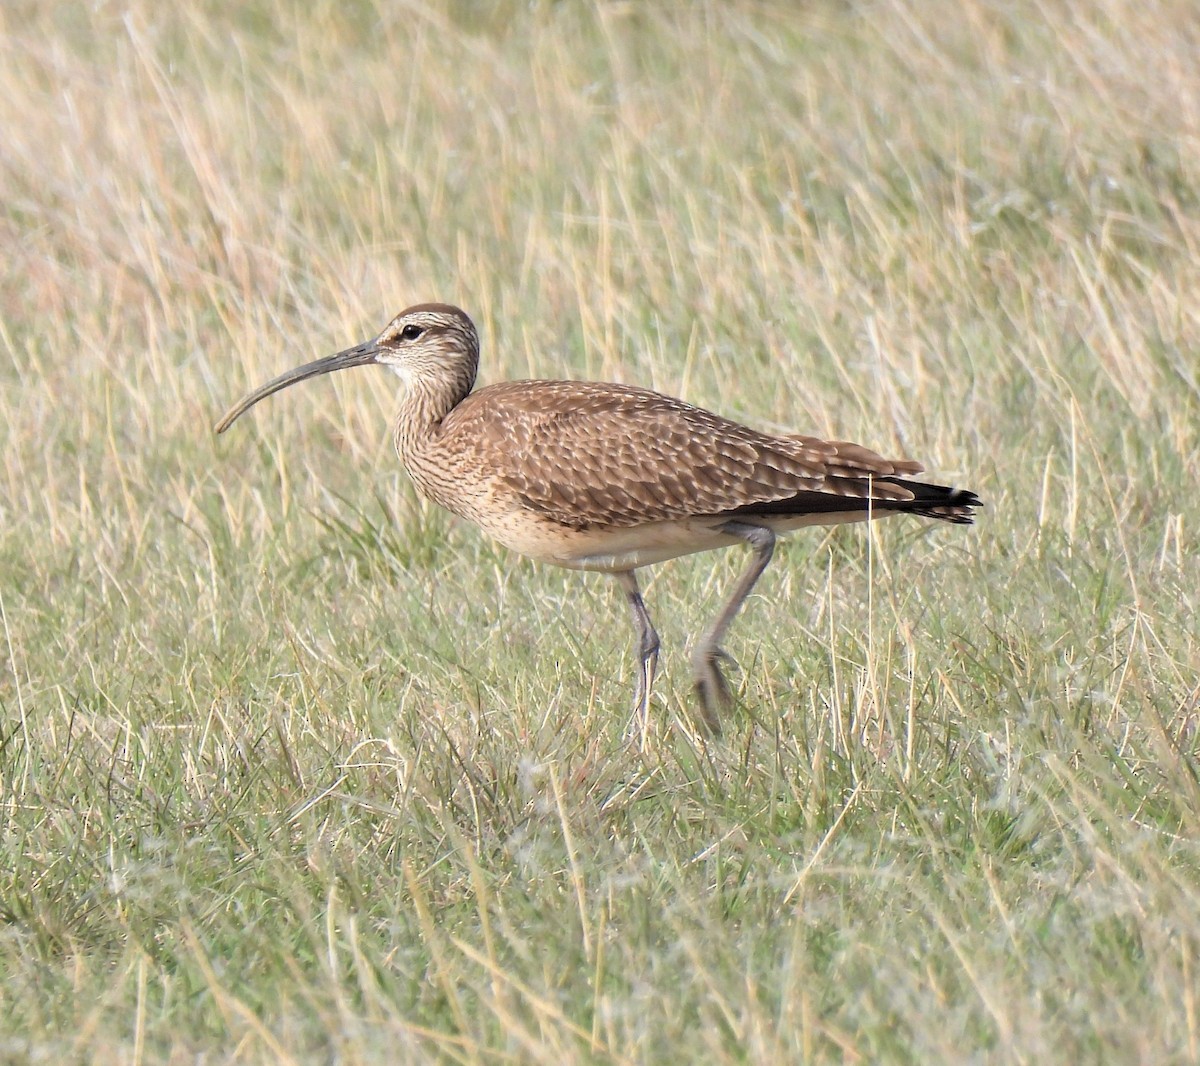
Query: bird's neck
[[425, 402]]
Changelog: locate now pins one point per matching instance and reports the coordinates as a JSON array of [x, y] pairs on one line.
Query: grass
[[294, 768]]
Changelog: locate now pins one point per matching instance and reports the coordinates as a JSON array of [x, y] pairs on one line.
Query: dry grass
[[295, 769]]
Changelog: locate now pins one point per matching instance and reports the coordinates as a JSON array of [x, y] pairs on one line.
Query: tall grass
[[295, 768]]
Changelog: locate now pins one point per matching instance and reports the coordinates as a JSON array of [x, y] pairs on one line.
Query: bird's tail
[[935, 501], [842, 495]]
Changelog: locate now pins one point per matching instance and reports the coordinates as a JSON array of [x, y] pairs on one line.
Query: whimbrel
[[598, 476]]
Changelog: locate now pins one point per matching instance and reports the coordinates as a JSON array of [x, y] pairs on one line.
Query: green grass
[[296, 768]]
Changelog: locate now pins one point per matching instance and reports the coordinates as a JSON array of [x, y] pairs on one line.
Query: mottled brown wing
[[589, 454]]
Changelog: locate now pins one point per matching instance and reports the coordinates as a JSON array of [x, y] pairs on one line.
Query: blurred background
[[294, 767]]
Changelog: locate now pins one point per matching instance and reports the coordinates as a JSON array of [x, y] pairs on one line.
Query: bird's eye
[[410, 332]]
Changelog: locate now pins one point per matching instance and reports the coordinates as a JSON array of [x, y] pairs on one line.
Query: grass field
[[294, 768]]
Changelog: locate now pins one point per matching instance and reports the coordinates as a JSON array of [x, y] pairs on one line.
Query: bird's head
[[428, 346]]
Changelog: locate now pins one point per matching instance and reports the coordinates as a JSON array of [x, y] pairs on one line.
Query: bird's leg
[[711, 686], [647, 651]]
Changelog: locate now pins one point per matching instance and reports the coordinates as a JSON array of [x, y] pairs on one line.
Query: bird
[[608, 477]]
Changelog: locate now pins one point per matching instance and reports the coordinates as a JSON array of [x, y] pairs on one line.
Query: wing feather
[[588, 454]]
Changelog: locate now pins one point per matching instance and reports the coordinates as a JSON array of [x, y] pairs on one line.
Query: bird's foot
[[712, 689], [639, 722], [638, 729]]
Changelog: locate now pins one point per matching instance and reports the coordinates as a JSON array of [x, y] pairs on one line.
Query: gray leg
[[711, 686], [647, 647]]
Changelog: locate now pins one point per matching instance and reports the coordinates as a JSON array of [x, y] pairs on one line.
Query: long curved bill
[[359, 355]]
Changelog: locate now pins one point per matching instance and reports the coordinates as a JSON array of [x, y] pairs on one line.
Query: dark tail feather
[[937, 501], [943, 502]]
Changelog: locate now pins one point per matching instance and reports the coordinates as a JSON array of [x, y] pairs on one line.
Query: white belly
[[611, 550]]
